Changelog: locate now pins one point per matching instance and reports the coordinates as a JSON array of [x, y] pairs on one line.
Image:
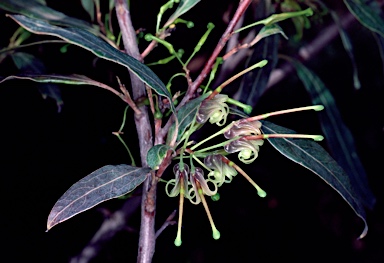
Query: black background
[[301, 220]]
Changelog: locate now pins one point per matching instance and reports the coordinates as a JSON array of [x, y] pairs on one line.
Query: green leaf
[[186, 115], [312, 156], [337, 134], [367, 14], [63, 79], [254, 83], [89, 6], [35, 9], [108, 182], [156, 155], [98, 47], [184, 6]]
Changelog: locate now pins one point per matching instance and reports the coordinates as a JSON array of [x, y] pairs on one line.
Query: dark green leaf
[[28, 63], [156, 155], [254, 83], [186, 116], [337, 134], [89, 6], [367, 15], [108, 182], [35, 9], [184, 6], [348, 48], [312, 156], [97, 46], [62, 79]]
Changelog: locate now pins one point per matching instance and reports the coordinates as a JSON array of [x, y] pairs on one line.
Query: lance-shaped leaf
[[36, 9], [368, 15], [313, 157], [108, 182], [184, 6], [64, 79], [254, 83], [97, 46], [339, 137], [348, 48], [186, 115]]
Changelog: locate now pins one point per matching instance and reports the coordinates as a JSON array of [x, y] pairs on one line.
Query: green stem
[[212, 136]]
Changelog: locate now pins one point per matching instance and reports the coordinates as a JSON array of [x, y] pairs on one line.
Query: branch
[[110, 227], [143, 127]]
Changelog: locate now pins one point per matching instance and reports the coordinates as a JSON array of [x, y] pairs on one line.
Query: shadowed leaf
[[98, 47], [254, 83], [312, 156], [367, 15], [108, 182], [348, 48], [339, 137], [28, 63], [184, 6]]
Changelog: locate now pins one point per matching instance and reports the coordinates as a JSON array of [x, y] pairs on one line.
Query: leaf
[[366, 14], [339, 137], [89, 6], [108, 182], [184, 6], [186, 115], [254, 83], [156, 155], [63, 79], [348, 48], [26, 62], [312, 156], [35, 9], [98, 47]]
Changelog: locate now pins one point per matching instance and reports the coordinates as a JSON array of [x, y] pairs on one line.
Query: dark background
[[301, 220]]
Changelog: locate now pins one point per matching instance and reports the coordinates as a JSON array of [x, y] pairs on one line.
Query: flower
[[180, 187], [199, 183], [222, 172], [180, 182], [248, 149], [243, 128], [215, 109], [200, 187]]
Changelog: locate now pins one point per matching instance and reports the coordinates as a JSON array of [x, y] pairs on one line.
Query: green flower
[[222, 172], [200, 187], [243, 128], [215, 109], [248, 150]]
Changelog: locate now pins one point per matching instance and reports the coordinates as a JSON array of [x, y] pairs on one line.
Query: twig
[[243, 5], [168, 221], [111, 226]]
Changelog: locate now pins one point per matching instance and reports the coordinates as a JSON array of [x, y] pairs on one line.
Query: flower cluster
[[191, 184]]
